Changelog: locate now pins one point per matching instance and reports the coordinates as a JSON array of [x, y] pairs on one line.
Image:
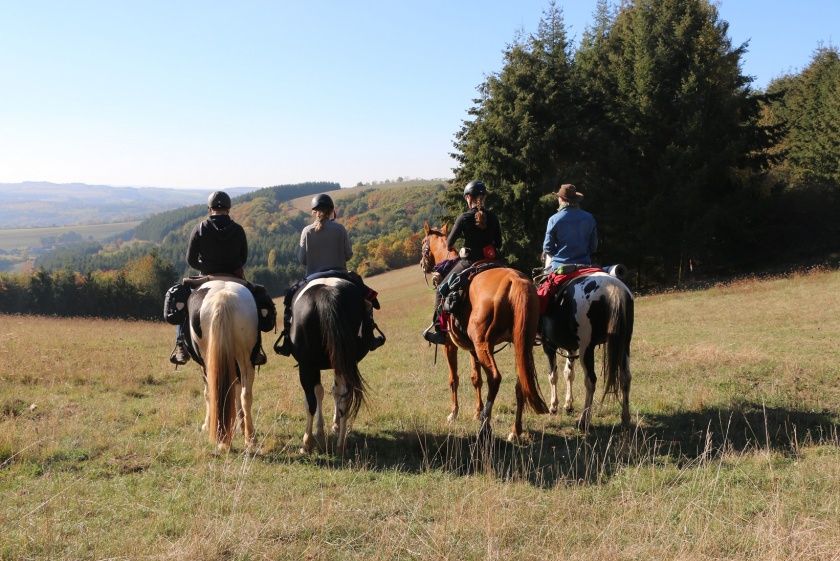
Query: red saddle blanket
[[555, 281]]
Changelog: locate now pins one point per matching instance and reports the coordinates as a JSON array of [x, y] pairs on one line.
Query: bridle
[[427, 260]]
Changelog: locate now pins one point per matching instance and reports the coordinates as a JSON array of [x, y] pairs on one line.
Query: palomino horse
[[223, 322], [325, 333], [502, 307], [591, 310]]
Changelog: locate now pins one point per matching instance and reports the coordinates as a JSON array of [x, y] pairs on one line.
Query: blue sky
[[219, 94]]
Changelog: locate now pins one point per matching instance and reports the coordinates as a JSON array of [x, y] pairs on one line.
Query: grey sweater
[[326, 249]]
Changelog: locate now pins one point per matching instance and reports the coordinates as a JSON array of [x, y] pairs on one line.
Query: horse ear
[[426, 227], [445, 228]]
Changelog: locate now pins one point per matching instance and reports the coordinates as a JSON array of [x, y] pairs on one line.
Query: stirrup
[[434, 336], [258, 357], [179, 356], [284, 348]]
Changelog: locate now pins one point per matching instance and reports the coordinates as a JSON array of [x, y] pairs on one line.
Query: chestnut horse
[[502, 307], [223, 323]]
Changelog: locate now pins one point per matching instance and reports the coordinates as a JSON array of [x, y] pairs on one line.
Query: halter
[[427, 260]]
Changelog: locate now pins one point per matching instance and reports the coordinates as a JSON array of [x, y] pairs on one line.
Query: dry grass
[[735, 454]]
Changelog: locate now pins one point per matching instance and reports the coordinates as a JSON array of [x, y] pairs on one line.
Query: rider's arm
[[243, 249], [549, 243], [497, 234], [302, 247], [348, 247], [457, 229], [192, 250]]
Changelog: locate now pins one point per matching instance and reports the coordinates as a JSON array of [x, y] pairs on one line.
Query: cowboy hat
[[569, 192]]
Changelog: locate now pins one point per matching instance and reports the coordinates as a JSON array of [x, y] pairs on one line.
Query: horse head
[[433, 249]]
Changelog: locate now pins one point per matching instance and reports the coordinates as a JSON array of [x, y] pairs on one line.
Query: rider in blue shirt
[[571, 235]]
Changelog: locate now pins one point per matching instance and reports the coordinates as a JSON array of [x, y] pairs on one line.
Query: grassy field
[[22, 238], [735, 452]]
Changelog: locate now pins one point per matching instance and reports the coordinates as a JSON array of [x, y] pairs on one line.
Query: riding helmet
[[219, 200], [475, 188], [322, 202]]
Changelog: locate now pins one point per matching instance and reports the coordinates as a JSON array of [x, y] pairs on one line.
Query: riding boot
[[258, 357], [371, 341], [284, 347], [180, 355], [433, 333]]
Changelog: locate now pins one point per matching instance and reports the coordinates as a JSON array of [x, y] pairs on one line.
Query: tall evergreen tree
[[521, 135], [677, 118]]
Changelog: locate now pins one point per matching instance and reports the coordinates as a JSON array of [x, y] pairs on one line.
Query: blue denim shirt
[[571, 236]]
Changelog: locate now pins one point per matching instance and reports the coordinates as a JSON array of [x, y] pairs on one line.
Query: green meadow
[[734, 451], [22, 238]]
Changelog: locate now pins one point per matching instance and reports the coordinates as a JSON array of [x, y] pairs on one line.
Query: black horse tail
[[339, 333], [526, 311], [619, 333]]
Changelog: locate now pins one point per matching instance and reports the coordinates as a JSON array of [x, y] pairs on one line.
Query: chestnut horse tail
[[619, 333], [338, 330], [526, 311], [221, 366]]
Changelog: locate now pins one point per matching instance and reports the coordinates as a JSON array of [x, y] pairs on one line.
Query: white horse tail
[[526, 312], [221, 366], [619, 333]]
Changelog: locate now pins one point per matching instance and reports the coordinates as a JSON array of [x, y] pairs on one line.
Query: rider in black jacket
[[482, 235], [217, 247]]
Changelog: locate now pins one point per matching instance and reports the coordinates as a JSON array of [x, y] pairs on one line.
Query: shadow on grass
[[548, 459]]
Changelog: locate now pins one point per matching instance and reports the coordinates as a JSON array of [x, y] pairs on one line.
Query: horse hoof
[[552, 410], [452, 417], [569, 409], [513, 438], [334, 428], [222, 448]]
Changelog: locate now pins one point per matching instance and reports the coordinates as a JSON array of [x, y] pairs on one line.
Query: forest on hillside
[[687, 168]]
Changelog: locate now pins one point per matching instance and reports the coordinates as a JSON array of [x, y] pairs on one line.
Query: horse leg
[[588, 362], [569, 375], [485, 357], [340, 393], [246, 398], [475, 376], [313, 391], [552, 379], [452, 361], [624, 381], [206, 408]]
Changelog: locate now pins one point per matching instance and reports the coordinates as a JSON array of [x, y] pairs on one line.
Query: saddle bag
[[266, 310], [175, 304]]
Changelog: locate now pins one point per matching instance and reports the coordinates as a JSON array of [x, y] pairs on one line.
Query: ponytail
[[480, 218], [322, 216]]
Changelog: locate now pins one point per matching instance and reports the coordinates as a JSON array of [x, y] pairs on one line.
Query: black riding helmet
[[322, 202], [475, 188], [219, 200]]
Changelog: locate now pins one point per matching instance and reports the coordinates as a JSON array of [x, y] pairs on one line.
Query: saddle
[[556, 281], [178, 294], [454, 289]]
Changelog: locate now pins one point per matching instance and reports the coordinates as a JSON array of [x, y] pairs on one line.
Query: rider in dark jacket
[[482, 235], [218, 246]]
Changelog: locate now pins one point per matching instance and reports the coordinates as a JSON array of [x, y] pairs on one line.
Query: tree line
[[682, 163]]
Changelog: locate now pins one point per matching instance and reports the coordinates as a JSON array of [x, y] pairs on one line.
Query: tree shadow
[[549, 458]]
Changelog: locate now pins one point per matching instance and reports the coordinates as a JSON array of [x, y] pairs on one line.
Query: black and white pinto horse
[[326, 334], [591, 310], [223, 324]]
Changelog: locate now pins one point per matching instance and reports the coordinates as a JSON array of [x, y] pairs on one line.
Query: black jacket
[[475, 239], [217, 245]]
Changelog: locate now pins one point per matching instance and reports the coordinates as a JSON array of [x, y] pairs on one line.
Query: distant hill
[[383, 220], [34, 204]]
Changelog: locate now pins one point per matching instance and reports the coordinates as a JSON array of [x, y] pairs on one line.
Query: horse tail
[[619, 333], [338, 332], [221, 366], [526, 311]]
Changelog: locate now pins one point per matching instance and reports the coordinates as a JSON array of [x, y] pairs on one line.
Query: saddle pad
[[555, 282]]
